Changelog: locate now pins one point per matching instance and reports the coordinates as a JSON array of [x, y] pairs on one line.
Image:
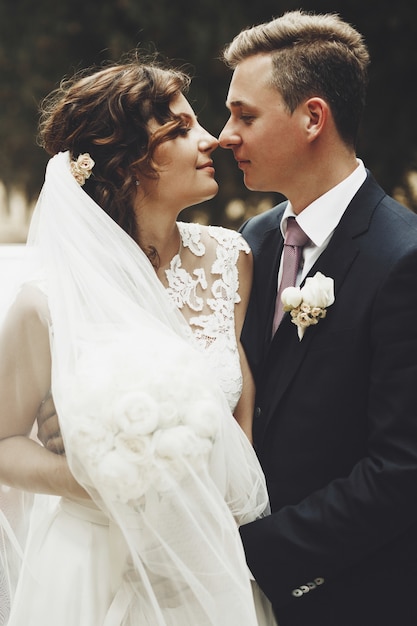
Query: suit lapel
[[267, 273], [334, 262], [256, 331]]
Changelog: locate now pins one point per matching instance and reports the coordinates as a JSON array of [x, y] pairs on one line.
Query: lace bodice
[[203, 282]]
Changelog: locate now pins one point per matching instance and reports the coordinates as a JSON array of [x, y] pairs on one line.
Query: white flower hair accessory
[[309, 304], [81, 168]]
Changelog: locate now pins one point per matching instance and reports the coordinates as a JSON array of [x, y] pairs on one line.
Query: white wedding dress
[[76, 570]]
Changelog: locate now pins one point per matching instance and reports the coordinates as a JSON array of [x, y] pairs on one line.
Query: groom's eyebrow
[[234, 104]]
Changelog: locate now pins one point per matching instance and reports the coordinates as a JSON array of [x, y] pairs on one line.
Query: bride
[[130, 320]]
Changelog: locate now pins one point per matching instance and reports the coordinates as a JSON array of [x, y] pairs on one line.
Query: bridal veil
[[147, 430]]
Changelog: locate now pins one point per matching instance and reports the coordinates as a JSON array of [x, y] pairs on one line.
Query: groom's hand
[[49, 433]]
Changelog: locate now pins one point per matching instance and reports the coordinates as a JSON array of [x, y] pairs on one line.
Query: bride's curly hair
[[105, 111]]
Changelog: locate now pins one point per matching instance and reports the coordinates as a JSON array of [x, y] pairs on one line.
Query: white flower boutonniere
[[309, 304]]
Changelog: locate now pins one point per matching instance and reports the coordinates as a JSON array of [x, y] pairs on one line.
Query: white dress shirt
[[320, 218]]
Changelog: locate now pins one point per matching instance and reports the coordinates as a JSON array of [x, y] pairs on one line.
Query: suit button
[[319, 581], [297, 593], [257, 412]]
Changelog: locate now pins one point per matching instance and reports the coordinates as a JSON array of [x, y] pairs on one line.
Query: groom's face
[[266, 139]]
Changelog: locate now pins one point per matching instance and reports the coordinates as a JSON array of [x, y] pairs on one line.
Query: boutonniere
[[309, 304]]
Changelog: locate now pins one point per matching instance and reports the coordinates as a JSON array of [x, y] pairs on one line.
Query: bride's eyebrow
[[187, 118]]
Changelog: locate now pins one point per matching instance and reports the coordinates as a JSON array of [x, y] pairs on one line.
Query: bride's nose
[[208, 143]]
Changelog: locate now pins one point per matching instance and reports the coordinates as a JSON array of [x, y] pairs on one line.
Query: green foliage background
[[42, 41]]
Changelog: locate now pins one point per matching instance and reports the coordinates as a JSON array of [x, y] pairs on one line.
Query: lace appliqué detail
[[211, 290]]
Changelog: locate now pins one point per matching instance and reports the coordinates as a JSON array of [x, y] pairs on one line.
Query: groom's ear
[[316, 115]]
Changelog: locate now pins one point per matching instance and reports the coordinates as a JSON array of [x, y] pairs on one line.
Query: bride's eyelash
[[183, 130], [185, 125]]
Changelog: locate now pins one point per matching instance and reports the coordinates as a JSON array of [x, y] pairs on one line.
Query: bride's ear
[[317, 113]]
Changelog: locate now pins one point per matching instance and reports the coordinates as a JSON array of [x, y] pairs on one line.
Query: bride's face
[[185, 166]]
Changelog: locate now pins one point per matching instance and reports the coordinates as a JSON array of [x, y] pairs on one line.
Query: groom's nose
[[228, 137]]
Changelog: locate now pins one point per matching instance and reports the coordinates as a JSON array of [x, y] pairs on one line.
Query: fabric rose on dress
[[138, 425], [135, 413]]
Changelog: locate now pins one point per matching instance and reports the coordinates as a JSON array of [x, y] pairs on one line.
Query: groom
[[335, 424]]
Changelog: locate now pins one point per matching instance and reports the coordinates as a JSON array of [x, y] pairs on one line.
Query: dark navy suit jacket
[[335, 424]]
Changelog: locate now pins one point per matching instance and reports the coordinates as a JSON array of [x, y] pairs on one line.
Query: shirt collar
[[319, 219]]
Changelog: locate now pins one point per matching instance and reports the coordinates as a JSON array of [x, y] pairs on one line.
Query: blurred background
[[42, 42]]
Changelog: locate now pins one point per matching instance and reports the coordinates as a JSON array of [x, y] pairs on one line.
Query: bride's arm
[[25, 377], [244, 409]]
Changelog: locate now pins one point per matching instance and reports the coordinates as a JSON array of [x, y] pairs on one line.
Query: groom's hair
[[312, 55]]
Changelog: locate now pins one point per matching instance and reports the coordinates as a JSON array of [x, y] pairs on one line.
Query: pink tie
[[295, 240]]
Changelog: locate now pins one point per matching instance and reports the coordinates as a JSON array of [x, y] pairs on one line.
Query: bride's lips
[[208, 166]]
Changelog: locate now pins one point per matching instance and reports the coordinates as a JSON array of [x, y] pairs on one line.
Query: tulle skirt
[[68, 570], [74, 576]]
